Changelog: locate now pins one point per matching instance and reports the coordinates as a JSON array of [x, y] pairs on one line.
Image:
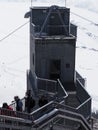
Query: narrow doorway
[[55, 66]]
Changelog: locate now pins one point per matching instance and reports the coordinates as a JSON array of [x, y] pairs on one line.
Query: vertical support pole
[[31, 3], [65, 3]]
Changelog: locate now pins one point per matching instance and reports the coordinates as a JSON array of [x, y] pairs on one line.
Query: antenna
[[31, 3], [65, 3]]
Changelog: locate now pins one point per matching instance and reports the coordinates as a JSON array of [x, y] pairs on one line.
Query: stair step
[[72, 100]]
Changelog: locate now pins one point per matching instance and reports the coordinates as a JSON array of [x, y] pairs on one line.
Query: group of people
[[29, 103], [19, 104], [6, 106]]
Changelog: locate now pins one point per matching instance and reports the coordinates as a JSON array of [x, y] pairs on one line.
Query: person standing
[[19, 104], [43, 101], [29, 102]]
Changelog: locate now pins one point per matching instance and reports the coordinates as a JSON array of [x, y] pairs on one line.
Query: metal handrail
[[45, 86], [56, 112], [82, 87], [52, 86], [43, 79], [37, 29], [75, 116], [41, 108], [62, 88], [16, 114], [85, 107], [83, 103], [14, 123]]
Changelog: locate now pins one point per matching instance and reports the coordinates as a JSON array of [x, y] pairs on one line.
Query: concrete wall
[[63, 50], [43, 51], [39, 15]]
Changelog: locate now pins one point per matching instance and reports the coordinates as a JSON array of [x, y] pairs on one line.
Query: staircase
[[52, 116], [72, 100], [59, 119]]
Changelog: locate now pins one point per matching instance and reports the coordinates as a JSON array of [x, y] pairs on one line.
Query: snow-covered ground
[[14, 50], [87, 48]]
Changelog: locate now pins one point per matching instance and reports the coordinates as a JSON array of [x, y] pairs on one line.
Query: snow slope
[[14, 50], [87, 48]]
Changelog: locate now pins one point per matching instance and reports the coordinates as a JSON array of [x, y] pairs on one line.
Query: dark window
[[55, 66]]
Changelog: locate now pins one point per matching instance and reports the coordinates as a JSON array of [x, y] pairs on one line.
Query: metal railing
[[15, 114], [14, 120], [50, 30], [55, 111], [47, 85], [55, 90], [51, 88], [62, 94], [42, 110], [75, 117], [81, 79], [10, 123], [40, 117], [85, 108], [85, 100]]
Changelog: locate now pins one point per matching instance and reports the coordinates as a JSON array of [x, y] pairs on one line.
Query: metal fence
[[85, 100], [51, 88], [17, 114], [51, 112], [13, 120], [53, 116], [51, 30]]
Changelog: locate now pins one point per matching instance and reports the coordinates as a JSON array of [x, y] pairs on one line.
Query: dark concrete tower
[[52, 58], [52, 44]]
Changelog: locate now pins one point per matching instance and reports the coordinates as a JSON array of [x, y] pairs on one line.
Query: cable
[[28, 22], [16, 60], [13, 31], [84, 18]]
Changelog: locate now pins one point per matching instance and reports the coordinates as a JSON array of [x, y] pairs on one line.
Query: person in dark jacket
[[43, 101], [29, 102], [19, 104]]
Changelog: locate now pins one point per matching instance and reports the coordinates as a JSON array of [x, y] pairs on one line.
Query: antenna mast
[[31, 3], [65, 3]]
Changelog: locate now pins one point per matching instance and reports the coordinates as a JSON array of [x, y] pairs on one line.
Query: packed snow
[[14, 49]]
